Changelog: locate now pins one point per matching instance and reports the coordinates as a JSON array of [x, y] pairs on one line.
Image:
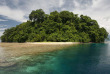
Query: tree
[[37, 15], [57, 26], [65, 16]]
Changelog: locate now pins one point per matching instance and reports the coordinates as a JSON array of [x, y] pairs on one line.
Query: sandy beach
[[12, 50], [9, 51], [18, 49]]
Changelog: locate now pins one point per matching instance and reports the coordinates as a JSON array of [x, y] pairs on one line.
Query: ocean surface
[[91, 58]]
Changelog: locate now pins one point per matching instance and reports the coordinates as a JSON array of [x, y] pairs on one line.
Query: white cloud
[[1, 29], [13, 14], [23, 8], [61, 2], [43, 4], [1, 33], [1, 26], [3, 20], [99, 11], [96, 9]]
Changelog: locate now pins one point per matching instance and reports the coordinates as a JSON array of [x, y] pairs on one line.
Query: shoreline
[[10, 53], [53, 43], [45, 42], [10, 50]]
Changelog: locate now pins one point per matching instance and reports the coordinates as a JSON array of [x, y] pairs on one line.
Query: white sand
[[53, 43], [11, 50]]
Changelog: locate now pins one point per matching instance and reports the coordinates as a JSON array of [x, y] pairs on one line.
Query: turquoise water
[[80, 59]]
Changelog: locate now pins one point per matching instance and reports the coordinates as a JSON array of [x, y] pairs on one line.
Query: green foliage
[[37, 15], [61, 26]]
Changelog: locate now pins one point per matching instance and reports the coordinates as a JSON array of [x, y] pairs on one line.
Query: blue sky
[[14, 12]]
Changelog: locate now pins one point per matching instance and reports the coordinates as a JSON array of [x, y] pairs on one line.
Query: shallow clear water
[[80, 59]]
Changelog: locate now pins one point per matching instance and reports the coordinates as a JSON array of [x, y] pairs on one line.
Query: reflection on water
[[80, 59]]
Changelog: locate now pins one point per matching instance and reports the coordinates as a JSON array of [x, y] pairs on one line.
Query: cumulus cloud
[[13, 14], [98, 10], [19, 9]]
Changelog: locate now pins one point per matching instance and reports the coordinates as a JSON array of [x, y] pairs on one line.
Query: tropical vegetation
[[57, 26]]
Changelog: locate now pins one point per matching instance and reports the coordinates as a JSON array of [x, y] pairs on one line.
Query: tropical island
[[57, 26]]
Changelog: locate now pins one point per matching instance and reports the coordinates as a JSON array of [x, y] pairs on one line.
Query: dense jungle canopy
[[57, 26]]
